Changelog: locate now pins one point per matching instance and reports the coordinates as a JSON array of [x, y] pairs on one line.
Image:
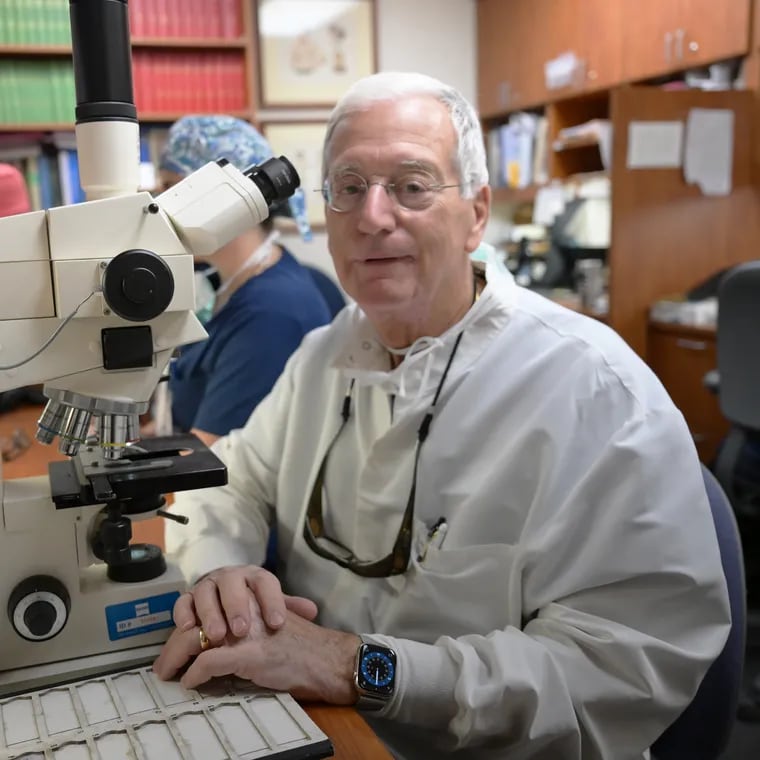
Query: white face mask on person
[[206, 297]]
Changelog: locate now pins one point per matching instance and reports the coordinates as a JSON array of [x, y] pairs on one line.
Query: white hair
[[470, 159]]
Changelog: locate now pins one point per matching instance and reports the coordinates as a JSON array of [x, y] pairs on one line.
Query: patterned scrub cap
[[196, 140], [14, 197]]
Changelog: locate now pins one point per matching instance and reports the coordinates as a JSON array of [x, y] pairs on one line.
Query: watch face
[[377, 669]]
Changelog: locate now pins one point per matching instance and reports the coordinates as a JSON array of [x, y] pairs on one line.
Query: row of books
[[49, 164], [51, 173], [41, 91], [212, 19], [200, 82], [36, 91], [517, 151], [34, 22]]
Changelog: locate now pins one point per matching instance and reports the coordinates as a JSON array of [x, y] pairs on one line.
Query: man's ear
[[481, 205]]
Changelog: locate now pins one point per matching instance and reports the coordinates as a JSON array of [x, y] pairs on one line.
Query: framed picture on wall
[[301, 142], [310, 51]]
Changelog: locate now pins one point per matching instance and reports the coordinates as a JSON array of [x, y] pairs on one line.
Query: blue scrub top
[[216, 383]]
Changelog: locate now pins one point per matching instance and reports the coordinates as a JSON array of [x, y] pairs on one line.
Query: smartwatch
[[374, 676]]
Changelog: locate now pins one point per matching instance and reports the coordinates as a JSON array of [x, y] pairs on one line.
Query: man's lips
[[384, 259]]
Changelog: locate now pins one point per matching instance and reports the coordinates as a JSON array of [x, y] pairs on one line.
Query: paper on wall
[[654, 144], [709, 150]]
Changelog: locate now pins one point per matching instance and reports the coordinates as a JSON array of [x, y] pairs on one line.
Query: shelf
[[238, 43], [170, 117], [30, 50], [37, 127], [514, 194], [571, 143], [528, 194]]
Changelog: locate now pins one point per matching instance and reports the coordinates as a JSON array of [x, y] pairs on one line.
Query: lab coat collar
[[365, 360]]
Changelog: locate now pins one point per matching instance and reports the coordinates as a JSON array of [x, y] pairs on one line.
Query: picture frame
[[311, 51], [301, 142]]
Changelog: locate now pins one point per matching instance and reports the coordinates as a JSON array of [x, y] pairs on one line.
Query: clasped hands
[[257, 633]]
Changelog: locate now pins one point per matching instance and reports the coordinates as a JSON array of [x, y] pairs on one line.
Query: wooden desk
[[352, 738]]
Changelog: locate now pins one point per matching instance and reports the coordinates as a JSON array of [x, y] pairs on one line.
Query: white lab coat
[[578, 597]]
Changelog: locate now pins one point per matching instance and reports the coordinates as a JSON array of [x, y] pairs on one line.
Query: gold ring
[[205, 642]]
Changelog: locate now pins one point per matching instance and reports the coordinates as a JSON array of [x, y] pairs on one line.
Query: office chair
[[738, 382], [702, 730]]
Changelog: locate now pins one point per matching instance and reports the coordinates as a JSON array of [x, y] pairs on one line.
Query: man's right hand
[[220, 602]]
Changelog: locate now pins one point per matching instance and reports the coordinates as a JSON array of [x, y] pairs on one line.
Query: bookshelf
[[176, 45], [188, 56]]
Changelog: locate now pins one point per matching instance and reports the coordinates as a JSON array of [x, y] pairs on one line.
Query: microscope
[[95, 298]]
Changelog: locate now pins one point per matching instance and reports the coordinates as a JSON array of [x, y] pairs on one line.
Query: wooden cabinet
[[517, 37], [506, 74], [662, 37], [600, 40], [615, 41], [667, 236], [680, 356]]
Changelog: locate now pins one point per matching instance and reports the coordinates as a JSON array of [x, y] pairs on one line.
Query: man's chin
[[382, 296]]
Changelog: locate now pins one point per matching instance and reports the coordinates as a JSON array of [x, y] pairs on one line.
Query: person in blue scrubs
[[264, 301]]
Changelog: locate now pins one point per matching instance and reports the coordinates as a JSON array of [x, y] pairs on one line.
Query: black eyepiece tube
[[102, 60], [277, 179]]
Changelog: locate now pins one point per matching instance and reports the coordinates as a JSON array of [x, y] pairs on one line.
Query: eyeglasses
[[346, 191], [320, 543]]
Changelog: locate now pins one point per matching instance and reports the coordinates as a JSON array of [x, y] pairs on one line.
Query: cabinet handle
[[504, 93], [668, 47], [693, 46], [592, 75], [680, 33], [691, 345]]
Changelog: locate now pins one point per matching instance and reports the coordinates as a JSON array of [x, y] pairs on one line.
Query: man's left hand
[[302, 658]]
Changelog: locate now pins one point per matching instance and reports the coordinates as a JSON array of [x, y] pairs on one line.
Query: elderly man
[[494, 504]]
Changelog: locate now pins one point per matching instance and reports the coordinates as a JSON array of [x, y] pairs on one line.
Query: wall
[[435, 37]]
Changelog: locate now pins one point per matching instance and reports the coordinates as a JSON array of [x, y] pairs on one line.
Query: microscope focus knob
[[138, 285], [39, 607], [40, 618]]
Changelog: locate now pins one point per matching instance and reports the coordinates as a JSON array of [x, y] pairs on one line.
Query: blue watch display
[[374, 675]]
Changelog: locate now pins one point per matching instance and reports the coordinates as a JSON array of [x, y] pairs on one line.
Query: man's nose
[[377, 212]]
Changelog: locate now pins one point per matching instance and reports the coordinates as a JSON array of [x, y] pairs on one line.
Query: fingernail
[[187, 625], [239, 626], [276, 620]]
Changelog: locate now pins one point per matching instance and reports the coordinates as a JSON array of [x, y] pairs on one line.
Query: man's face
[[395, 262]]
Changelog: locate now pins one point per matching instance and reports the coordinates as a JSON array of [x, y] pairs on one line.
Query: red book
[[231, 20]]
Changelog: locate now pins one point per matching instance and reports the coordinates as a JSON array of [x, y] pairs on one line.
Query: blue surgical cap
[[195, 140]]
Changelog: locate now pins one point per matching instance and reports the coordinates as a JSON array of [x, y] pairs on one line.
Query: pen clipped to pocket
[[435, 537]]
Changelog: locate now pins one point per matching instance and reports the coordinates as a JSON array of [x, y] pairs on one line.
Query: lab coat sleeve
[[629, 609], [229, 525]]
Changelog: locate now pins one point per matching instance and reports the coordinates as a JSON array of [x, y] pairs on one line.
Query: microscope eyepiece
[[276, 178]]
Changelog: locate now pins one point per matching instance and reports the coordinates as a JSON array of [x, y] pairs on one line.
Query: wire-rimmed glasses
[[346, 191]]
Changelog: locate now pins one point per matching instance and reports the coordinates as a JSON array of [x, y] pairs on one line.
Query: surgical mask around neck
[[206, 297]]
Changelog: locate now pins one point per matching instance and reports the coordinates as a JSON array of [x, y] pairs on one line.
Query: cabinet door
[[711, 30], [662, 36], [498, 55], [649, 41], [601, 40], [515, 39], [681, 362]]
